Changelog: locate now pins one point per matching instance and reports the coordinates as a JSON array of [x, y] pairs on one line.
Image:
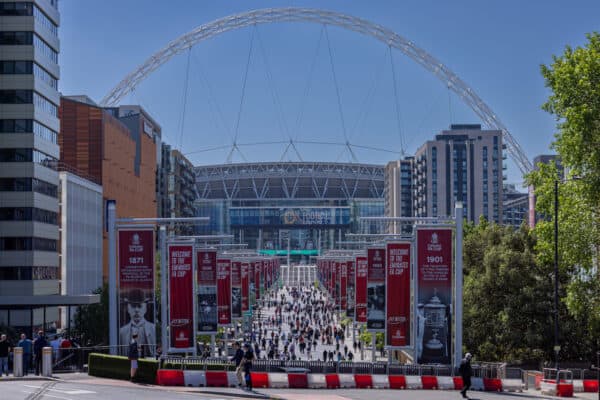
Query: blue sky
[[494, 46]]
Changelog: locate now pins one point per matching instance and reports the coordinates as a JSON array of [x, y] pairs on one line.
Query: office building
[[29, 125], [117, 147], [463, 164]]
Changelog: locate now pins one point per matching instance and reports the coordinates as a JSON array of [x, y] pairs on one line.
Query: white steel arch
[[291, 14]]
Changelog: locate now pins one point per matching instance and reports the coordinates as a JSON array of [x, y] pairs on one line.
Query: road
[[85, 388]]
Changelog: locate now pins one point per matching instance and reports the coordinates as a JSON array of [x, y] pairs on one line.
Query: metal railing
[[75, 359]]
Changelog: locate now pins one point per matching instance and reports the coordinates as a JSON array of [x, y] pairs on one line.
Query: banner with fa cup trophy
[[434, 295]]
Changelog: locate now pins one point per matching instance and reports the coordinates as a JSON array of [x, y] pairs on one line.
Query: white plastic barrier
[[548, 388], [445, 383], [413, 382], [316, 381], [278, 380], [477, 384], [578, 386], [194, 378], [347, 381], [515, 385], [380, 381], [232, 380]]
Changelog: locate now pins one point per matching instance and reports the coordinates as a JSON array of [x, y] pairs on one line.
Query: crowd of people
[[300, 324], [32, 351]]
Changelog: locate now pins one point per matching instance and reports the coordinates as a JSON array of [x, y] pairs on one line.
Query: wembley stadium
[[301, 206]]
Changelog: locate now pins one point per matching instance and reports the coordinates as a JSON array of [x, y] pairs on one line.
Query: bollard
[[18, 362], [47, 361]]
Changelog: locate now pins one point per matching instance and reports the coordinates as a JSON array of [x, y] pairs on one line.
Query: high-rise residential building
[[398, 194], [29, 125], [463, 164], [175, 189], [181, 190], [117, 147], [515, 206]]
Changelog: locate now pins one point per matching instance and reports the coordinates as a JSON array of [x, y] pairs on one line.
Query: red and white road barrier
[[360, 381]]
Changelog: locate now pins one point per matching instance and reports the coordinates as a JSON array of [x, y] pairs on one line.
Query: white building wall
[[81, 235]]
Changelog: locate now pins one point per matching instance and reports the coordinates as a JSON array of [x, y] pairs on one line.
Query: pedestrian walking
[[27, 347], [237, 358], [38, 345], [248, 358], [466, 372], [133, 354], [4, 352]]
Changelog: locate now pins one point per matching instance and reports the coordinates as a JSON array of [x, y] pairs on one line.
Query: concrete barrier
[[512, 385], [477, 384], [413, 382]]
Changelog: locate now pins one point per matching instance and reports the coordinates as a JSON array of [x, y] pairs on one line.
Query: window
[[16, 38], [45, 76], [16, 9], [28, 214], [16, 67], [16, 96], [44, 49], [27, 155], [28, 126], [28, 273], [44, 104], [45, 21]]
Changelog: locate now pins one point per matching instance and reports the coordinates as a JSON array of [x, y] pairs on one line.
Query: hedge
[[118, 367]]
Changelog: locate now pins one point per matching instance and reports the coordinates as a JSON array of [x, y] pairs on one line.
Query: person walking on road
[[27, 347], [4, 352], [247, 363], [237, 358], [133, 354], [38, 346], [466, 372]]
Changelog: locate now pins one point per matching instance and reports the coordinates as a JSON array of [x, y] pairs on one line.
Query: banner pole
[[458, 284], [162, 240], [112, 276], [374, 349]]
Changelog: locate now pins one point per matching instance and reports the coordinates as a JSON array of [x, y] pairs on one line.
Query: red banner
[[224, 291], [343, 285], [398, 294], [236, 289], [434, 295], [136, 285], [376, 289], [257, 269], [351, 290], [245, 286], [206, 261], [181, 296], [361, 289]]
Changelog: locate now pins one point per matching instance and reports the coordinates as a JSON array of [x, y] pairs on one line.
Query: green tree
[[507, 297], [574, 81], [91, 321]]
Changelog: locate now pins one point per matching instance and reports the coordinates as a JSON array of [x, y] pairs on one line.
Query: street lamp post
[[556, 344]]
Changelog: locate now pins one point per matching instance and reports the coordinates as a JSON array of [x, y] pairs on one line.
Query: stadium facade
[[301, 206]]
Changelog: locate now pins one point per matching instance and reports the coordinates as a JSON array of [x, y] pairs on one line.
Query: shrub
[[118, 367]]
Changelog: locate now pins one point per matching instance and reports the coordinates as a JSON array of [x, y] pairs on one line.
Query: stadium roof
[[290, 180]]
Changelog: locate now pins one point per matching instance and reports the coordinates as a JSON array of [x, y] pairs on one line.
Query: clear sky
[[496, 47]]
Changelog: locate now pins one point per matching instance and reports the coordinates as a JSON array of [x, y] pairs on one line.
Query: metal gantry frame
[[348, 22]]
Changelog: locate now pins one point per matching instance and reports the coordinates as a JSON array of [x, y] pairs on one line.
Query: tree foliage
[[91, 321], [574, 82], [507, 296]]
